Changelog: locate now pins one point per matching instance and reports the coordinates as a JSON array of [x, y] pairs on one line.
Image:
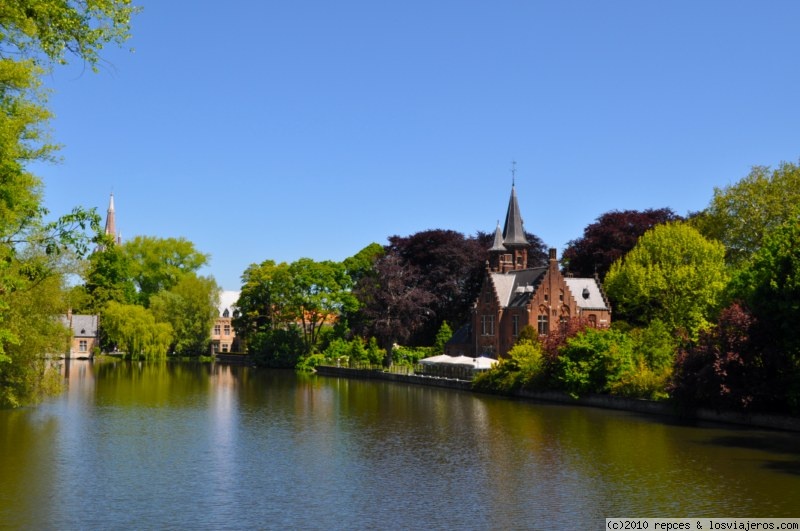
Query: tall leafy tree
[[362, 263], [108, 278], [769, 287], [301, 297], [158, 264], [135, 331], [318, 293], [260, 307], [609, 238], [394, 303], [29, 330], [190, 307], [34, 36], [673, 274], [740, 215]]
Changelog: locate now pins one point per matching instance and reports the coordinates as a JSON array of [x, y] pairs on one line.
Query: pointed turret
[[513, 232], [498, 240]]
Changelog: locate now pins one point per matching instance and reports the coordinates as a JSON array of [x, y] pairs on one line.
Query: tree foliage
[[57, 30], [33, 36], [721, 369], [740, 215], [672, 274], [29, 330], [524, 367], [108, 279], [190, 308], [394, 303], [158, 264], [423, 280], [303, 296], [770, 287], [595, 361], [135, 330], [442, 337], [609, 238]]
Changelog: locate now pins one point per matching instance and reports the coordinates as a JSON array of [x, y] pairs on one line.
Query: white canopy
[[444, 359]]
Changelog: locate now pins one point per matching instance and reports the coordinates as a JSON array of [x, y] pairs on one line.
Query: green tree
[[109, 279], [258, 309], [672, 274], [442, 337], [741, 215], [30, 330], [303, 296], [135, 330], [35, 35], [158, 264], [595, 361], [770, 288], [523, 367], [190, 308], [318, 293], [362, 263], [57, 30]]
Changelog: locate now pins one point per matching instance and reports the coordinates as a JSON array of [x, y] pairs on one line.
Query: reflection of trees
[[27, 454]]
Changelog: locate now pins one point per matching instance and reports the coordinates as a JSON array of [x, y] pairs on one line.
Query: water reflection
[[210, 446]]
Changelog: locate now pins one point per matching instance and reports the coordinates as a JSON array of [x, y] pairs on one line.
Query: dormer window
[[585, 293]]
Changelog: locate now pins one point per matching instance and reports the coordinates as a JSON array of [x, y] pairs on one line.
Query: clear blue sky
[[279, 130]]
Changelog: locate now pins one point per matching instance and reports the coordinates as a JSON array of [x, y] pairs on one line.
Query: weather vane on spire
[[513, 172]]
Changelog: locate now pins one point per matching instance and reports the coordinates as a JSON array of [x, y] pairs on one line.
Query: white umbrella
[[434, 360]]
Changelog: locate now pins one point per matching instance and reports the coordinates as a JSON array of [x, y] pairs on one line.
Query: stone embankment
[[649, 407]]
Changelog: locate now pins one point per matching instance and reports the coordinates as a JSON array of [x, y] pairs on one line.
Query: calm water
[[218, 447]]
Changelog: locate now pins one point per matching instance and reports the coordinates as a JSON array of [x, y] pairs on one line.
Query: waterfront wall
[[375, 374], [647, 407]]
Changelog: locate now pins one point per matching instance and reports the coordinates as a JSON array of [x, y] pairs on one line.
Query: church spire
[[111, 220]]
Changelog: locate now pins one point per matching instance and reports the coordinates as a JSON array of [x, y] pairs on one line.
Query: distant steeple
[[111, 221]]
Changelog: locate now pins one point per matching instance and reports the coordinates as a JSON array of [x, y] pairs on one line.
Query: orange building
[[222, 333]]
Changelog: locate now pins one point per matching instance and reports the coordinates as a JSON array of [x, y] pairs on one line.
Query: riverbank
[[647, 407]]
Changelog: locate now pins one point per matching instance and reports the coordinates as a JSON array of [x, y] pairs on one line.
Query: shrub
[[309, 363], [644, 382], [594, 361], [523, 368]]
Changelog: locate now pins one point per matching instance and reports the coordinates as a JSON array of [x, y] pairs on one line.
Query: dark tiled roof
[[461, 336], [82, 325], [515, 288], [513, 232]]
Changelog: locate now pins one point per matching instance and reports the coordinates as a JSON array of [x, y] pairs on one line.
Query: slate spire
[[513, 232], [498, 240]]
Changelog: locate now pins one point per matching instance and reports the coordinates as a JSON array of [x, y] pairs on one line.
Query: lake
[[210, 446]]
